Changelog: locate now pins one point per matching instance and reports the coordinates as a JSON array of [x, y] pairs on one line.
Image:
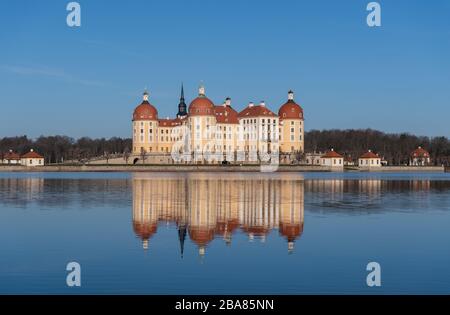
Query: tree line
[[394, 148], [59, 149]]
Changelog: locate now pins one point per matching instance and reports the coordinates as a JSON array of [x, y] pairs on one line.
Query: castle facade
[[208, 133]]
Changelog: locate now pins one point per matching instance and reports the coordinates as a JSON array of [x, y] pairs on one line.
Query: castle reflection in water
[[220, 205], [208, 206]]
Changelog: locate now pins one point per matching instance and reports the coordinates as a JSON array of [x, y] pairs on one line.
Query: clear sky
[[86, 81]]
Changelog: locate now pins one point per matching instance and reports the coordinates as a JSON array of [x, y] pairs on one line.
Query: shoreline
[[217, 168]]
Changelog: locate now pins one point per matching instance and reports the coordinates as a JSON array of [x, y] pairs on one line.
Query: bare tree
[[126, 155], [143, 155]]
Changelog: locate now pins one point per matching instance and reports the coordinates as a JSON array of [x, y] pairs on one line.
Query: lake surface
[[224, 233]]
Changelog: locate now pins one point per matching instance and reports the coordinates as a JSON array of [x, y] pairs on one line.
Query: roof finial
[[291, 96], [145, 95], [201, 89]]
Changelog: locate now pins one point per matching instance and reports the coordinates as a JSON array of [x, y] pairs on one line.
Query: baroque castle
[[209, 133]]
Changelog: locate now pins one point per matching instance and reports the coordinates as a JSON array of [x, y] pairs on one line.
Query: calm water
[[224, 233]]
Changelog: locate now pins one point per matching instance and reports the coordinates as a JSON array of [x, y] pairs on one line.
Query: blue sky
[[86, 81]]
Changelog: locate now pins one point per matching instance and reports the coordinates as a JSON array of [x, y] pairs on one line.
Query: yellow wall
[[292, 135]]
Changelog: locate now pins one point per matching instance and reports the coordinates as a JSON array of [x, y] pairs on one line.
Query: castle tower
[[182, 107], [292, 127]]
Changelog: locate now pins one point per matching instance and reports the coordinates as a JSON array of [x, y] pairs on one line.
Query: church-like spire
[[182, 237], [182, 108]]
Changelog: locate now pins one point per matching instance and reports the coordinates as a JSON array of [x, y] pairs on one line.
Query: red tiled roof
[[369, 155], [11, 156], [145, 111], [144, 230], [256, 111], [226, 115], [201, 106], [290, 110], [32, 155], [169, 122], [331, 154], [201, 235], [291, 231], [420, 152]]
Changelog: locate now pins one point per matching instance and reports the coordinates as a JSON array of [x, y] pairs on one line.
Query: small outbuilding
[[369, 159], [11, 158], [32, 159], [332, 159], [419, 157]]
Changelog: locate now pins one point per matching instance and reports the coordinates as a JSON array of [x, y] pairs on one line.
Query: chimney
[[251, 104], [228, 101], [263, 104]]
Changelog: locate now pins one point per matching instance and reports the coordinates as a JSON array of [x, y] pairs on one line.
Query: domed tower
[[202, 124], [292, 210], [145, 126], [291, 126], [203, 199], [145, 209]]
